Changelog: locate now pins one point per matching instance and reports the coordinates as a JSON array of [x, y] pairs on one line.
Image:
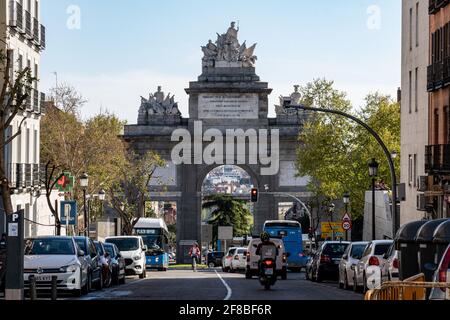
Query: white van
[[253, 259], [133, 250]]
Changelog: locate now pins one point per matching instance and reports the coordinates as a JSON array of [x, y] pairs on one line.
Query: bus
[[291, 233], [155, 234]]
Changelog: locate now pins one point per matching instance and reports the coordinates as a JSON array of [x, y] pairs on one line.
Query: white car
[[442, 275], [368, 267], [226, 260], [133, 250], [239, 261], [46, 257], [350, 258], [390, 265], [253, 260]]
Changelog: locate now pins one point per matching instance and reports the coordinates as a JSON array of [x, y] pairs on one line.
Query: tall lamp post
[[346, 200], [84, 183], [373, 172], [331, 210]]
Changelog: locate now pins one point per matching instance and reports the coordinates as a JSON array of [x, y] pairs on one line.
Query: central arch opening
[[226, 202]]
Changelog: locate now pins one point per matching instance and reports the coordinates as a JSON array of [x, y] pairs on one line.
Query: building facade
[[437, 152], [22, 32], [414, 103]]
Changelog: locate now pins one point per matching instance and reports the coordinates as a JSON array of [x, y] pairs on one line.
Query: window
[[416, 89], [36, 75], [410, 91], [20, 62], [410, 28], [27, 146], [436, 126], [410, 170], [417, 24], [36, 9], [35, 147], [415, 170], [446, 125]]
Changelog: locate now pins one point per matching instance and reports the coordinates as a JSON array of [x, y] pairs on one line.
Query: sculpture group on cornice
[[157, 105]]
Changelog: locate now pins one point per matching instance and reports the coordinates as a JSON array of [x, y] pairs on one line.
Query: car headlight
[[137, 257], [69, 269]]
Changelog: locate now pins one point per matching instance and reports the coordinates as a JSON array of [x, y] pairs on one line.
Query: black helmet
[[265, 236]]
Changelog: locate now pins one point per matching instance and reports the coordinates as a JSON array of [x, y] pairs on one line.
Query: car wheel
[[99, 285], [355, 283], [306, 274], [340, 283], [345, 287], [318, 276], [123, 280]]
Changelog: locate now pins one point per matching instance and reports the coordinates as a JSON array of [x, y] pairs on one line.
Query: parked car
[[117, 263], [239, 261], [133, 250], [308, 268], [253, 259], [105, 262], [214, 259], [350, 258], [325, 264], [373, 256], [390, 265], [226, 260], [46, 257], [442, 275], [172, 258], [93, 258]]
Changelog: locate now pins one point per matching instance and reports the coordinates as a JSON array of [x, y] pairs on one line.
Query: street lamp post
[[331, 210], [84, 183], [373, 172], [346, 200]]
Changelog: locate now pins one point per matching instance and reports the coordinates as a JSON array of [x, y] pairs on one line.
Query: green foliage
[[228, 211], [335, 152]]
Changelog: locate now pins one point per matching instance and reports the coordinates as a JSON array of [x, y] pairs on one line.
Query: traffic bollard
[[54, 287], [33, 293]]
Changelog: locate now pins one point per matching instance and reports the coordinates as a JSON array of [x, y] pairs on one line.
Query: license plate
[[43, 278], [268, 272]]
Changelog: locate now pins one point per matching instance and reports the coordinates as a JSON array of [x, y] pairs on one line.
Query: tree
[[228, 211], [15, 91], [335, 151], [128, 193]]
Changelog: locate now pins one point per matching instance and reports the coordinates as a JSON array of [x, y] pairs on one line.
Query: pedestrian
[[194, 253]]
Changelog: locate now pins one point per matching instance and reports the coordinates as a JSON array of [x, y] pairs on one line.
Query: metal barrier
[[414, 288]]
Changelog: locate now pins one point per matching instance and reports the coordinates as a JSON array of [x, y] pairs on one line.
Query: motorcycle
[[267, 273]]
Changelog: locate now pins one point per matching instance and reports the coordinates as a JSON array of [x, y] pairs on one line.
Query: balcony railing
[[42, 103], [35, 100], [23, 175], [36, 30], [15, 15], [42, 36], [437, 159], [28, 24], [435, 74], [436, 5]]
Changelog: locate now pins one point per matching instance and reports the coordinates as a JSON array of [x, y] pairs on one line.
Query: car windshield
[[153, 243], [81, 244], [357, 251], [125, 244], [51, 246], [241, 251], [381, 249], [335, 249], [109, 249], [99, 248]]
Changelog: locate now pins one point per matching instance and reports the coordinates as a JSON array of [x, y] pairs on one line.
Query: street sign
[[225, 233], [68, 209], [65, 183], [346, 217], [329, 227], [346, 225]]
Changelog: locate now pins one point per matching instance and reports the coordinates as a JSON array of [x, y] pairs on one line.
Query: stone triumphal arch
[[228, 97]]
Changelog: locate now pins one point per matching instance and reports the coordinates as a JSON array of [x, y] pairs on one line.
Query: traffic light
[[254, 195]]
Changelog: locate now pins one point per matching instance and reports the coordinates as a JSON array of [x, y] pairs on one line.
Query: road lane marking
[[229, 291]]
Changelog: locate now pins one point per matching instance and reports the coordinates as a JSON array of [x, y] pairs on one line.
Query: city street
[[216, 285]]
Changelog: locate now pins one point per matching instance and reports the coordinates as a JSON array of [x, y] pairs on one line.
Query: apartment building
[[414, 104], [437, 157], [22, 32]]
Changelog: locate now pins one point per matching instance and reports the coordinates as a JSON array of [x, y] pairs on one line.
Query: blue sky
[[125, 49]]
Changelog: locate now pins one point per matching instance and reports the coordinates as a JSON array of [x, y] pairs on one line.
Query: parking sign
[[68, 209]]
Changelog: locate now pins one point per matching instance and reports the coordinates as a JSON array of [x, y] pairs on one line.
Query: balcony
[[35, 100], [436, 5], [437, 159], [28, 32], [42, 103], [435, 75], [36, 30], [42, 37], [23, 175], [15, 15]]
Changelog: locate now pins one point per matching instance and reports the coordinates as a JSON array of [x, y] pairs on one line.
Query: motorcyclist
[[266, 248]]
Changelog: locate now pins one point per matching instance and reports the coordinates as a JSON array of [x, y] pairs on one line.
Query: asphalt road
[[216, 285]]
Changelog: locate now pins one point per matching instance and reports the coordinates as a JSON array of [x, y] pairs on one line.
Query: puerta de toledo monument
[[227, 97]]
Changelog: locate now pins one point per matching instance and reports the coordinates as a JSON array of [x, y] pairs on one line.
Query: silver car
[[368, 267], [350, 258], [390, 265], [442, 275]]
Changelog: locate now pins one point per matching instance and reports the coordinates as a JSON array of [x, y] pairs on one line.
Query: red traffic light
[[254, 195]]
